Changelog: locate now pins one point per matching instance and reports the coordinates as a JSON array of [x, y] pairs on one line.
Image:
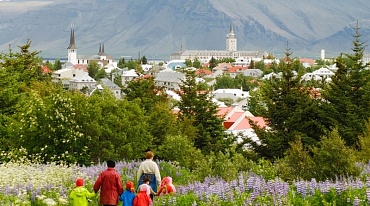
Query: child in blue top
[[127, 197]]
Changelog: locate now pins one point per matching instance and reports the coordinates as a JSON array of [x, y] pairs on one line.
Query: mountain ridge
[[158, 28]]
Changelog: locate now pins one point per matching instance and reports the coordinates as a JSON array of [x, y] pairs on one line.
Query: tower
[[72, 49], [231, 40]]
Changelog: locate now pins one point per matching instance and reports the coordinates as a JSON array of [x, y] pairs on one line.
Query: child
[[142, 198], [150, 191], [166, 187], [80, 194], [128, 195]]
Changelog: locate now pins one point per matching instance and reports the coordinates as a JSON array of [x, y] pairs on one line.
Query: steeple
[[231, 44], [72, 44], [231, 29], [101, 50]]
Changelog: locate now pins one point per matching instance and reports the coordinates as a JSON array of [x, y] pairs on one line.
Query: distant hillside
[[158, 28]]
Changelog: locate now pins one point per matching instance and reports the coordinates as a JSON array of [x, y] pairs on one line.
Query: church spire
[[72, 44], [99, 49], [231, 29]]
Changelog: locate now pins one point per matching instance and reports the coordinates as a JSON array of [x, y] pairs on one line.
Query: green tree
[[93, 69], [24, 65], [57, 65], [225, 82], [212, 63], [348, 94], [333, 158], [121, 63], [196, 63], [180, 149], [297, 163], [289, 111], [45, 125], [197, 104], [144, 60]]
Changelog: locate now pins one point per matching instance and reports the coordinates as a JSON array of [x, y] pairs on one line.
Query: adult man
[[110, 185]]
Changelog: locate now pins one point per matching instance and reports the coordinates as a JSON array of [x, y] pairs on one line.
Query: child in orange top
[[166, 186]]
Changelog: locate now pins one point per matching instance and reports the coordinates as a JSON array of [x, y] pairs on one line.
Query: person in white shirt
[[149, 169]]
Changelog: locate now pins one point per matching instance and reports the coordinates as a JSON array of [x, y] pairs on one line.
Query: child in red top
[[166, 187], [142, 198]]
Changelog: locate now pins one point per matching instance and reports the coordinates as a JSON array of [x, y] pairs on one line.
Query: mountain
[[156, 28]]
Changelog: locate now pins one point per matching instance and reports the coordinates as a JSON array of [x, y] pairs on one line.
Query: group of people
[[111, 190]]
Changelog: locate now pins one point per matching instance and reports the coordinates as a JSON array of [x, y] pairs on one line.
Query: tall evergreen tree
[[348, 95], [289, 110], [197, 104]]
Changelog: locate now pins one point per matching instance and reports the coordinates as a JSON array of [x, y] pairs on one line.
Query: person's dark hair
[[146, 179], [111, 163]]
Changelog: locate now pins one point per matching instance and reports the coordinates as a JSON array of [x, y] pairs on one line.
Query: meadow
[[50, 184]]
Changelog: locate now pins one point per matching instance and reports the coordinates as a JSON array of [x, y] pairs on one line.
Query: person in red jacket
[[110, 185], [142, 198]]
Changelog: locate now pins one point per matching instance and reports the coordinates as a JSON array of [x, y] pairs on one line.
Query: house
[[82, 82], [253, 73], [64, 75], [170, 80], [237, 122], [323, 72], [311, 76], [175, 64], [230, 93], [203, 73], [114, 88], [128, 75]]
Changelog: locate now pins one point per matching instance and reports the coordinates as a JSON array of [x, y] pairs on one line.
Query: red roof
[[306, 60], [45, 69], [236, 68], [222, 111], [244, 124], [80, 67], [202, 72]]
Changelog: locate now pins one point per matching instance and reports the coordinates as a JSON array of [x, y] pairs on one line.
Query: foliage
[[363, 154], [197, 104], [50, 184], [297, 163], [333, 158], [348, 95], [289, 111]]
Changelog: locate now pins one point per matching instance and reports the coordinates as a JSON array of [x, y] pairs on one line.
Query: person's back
[[80, 195], [110, 185]]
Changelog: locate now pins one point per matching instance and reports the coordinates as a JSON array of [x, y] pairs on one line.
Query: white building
[[231, 52], [128, 76], [169, 79], [230, 93], [80, 82]]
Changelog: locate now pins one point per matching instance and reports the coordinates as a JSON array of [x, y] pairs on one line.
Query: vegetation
[[309, 137]]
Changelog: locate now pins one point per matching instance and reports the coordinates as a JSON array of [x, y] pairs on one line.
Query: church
[[101, 58], [231, 51]]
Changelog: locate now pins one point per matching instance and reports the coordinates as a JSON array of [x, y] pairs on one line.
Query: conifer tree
[[197, 104], [290, 111], [348, 95]]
